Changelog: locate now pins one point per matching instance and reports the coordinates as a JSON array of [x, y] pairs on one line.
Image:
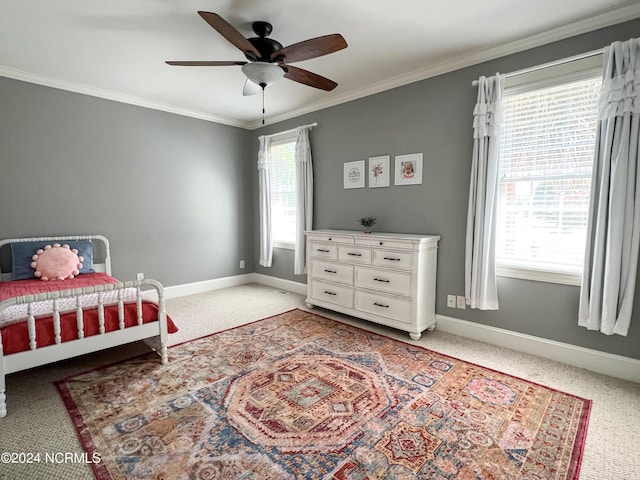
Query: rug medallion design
[[300, 396]]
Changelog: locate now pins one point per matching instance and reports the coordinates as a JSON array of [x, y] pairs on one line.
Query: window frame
[[280, 139], [535, 79]]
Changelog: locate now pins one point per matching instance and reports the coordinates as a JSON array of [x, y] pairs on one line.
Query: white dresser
[[387, 278]]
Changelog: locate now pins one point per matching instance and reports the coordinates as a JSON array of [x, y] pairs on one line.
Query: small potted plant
[[367, 223]]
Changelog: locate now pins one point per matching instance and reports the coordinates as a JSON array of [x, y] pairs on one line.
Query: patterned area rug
[[300, 396]]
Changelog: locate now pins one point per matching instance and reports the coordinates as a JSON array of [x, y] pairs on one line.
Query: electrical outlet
[[139, 276], [461, 302], [451, 301], [241, 263]]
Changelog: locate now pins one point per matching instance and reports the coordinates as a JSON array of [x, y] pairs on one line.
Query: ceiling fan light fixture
[[262, 73]]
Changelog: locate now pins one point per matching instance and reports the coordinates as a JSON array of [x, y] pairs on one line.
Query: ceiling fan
[[267, 60]]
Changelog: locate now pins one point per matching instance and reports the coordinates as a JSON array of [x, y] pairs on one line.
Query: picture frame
[[354, 174], [408, 169], [379, 171]]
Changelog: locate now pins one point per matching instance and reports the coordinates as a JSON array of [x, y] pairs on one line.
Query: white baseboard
[[207, 285], [601, 362], [224, 282], [295, 287]]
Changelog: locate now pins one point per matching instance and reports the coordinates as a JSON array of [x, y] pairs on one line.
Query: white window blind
[[283, 189], [546, 157]]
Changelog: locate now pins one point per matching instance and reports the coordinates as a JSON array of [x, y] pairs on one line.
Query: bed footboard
[[60, 350]]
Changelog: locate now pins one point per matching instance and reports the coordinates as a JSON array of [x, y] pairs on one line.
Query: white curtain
[[611, 257], [264, 186], [480, 270], [304, 197]]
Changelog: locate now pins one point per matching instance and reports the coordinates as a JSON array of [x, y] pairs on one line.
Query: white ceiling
[[116, 49]]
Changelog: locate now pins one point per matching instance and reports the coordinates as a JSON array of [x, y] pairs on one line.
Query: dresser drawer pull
[[322, 250], [380, 305], [330, 293], [392, 259], [381, 280], [330, 271], [354, 254]]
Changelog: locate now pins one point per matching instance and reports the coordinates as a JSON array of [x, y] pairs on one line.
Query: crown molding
[[576, 28], [114, 96], [566, 31]]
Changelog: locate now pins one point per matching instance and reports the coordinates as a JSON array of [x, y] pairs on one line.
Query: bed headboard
[[101, 254]]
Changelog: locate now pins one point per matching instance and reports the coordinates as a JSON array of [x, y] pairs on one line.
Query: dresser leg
[[415, 336], [309, 305]]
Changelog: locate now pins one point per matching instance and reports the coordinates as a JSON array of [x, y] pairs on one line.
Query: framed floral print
[[379, 171]]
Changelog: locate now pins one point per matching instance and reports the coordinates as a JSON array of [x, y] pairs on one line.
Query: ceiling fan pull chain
[[263, 105]]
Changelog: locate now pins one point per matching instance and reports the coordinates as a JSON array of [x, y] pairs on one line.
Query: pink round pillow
[[55, 262]]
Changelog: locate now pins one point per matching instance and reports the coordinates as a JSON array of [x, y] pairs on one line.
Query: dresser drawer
[[383, 242], [324, 250], [321, 237], [384, 281], [354, 254], [334, 272], [393, 308], [332, 293], [393, 259]]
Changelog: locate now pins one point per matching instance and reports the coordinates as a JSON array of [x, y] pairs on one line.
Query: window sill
[[285, 245], [548, 276]]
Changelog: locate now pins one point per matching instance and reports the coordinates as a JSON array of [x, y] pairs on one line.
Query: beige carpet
[[38, 422]]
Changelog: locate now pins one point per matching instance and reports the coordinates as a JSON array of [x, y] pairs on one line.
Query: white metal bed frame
[[154, 333]]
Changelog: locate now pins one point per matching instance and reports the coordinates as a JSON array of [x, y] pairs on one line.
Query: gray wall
[[177, 196], [434, 117], [171, 193]]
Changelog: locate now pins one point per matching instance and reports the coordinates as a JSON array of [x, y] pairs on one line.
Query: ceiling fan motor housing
[[265, 46]]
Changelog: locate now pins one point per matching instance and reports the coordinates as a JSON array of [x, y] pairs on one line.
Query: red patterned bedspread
[[15, 337]]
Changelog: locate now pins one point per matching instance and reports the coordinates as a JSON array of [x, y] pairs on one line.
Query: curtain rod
[[550, 64], [314, 124]]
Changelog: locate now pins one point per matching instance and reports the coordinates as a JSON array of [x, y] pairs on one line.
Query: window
[[544, 173], [283, 190]]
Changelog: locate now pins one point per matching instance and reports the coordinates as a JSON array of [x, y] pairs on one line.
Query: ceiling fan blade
[[312, 48], [204, 64], [308, 78], [250, 88], [229, 32]]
